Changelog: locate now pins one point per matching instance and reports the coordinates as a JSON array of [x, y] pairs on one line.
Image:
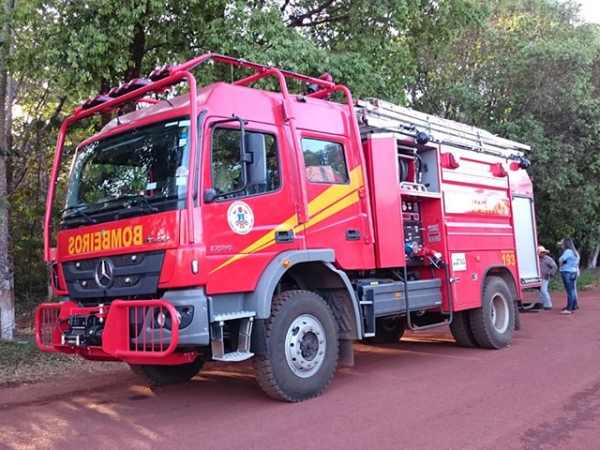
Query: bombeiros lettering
[[106, 240]]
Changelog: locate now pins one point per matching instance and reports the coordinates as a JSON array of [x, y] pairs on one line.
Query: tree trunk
[[7, 298], [593, 259]]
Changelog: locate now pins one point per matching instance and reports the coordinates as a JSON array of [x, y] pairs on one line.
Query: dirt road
[[422, 393]]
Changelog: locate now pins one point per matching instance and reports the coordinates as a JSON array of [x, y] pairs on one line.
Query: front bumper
[[136, 332]]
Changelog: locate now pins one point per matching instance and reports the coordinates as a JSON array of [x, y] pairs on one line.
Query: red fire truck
[[231, 222]]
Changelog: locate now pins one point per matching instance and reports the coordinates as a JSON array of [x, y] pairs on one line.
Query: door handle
[[352, 235], [283, 237]]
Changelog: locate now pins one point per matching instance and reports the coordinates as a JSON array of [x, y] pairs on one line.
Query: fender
[[260, 300], [505, 274]]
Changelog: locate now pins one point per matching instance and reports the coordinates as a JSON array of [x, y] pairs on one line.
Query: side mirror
[[209, 195], [257, 167]]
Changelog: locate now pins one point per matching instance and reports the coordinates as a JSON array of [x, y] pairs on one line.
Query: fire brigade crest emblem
[[240, 217]]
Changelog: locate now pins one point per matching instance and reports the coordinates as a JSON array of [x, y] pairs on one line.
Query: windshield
[[140, 167]]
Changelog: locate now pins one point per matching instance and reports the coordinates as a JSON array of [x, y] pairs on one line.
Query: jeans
[[569, 280], [544, 295]]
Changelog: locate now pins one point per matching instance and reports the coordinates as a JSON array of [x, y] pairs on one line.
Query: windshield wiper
[[136, 205], [142, 208], [77, 212], [123, 199]]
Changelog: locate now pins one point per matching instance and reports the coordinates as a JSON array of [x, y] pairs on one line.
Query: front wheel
[[158, 375], [303, 347], [493, 324]]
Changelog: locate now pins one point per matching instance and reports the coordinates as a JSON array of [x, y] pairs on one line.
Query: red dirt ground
[[543, 392]]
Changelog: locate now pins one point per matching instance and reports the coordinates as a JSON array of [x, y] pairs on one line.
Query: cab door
[[245, 224], [335, 190]]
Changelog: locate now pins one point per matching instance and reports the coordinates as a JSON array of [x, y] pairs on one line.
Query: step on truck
[[231, 222]]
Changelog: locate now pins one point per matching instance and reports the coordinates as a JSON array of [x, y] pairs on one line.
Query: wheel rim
[[305, 346], [500, 314]]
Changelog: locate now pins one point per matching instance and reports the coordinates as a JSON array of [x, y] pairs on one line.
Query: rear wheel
[[461, 329], [388, 330], [303, 347], [493, 324], [158, 375]]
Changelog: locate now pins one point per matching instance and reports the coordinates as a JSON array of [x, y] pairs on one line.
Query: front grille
[[86, 264], [128, 260], [127, 280], [130, 275]]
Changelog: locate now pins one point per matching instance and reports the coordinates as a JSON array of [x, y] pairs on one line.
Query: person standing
[[547, 268], [569, 263]]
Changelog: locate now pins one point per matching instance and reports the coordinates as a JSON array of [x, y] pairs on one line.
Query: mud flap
[[258, 342], [346, 354]]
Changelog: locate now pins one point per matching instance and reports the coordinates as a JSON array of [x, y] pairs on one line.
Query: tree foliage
[[526, 69], [529, 71]]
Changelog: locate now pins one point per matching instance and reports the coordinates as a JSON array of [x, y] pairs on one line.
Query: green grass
[[22, 362], [23, 350], [589, 279]]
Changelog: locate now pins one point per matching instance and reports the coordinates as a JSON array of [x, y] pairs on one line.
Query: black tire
[[493, 324], [461, 330], [158, 375], [303, 347], [388, 330]]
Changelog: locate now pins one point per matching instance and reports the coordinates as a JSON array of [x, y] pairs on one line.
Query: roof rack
[[376, 115]]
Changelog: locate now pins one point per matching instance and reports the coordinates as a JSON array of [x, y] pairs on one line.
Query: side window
[[324, 161], [227, 168]]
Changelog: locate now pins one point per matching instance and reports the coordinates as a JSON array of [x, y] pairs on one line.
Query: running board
[[246, 319], [235, 356], [413, 327]]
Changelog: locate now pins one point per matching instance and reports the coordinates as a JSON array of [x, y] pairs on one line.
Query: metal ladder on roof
[[376, 115]]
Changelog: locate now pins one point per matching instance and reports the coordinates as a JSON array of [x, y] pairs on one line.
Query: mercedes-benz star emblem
[[104, 273]]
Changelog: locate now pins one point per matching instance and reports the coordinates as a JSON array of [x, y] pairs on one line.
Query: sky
[[590, 10]]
